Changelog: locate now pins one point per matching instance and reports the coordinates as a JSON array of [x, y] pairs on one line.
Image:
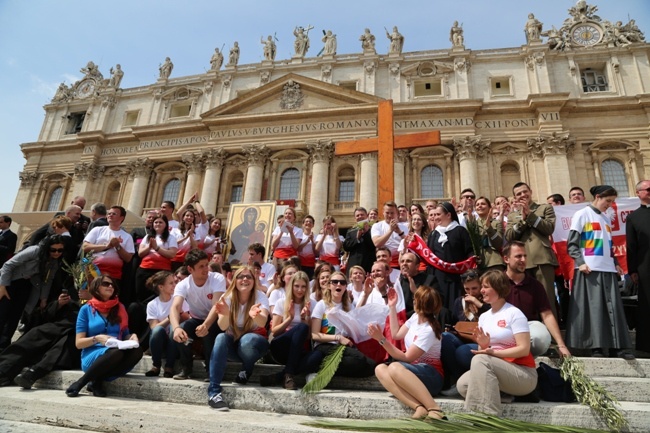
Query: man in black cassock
[[638, 261]]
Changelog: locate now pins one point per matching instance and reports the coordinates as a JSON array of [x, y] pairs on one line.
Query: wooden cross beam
[[385, 144]]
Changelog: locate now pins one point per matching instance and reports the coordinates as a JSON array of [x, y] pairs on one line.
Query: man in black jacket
[[358, 242], [8, 240]]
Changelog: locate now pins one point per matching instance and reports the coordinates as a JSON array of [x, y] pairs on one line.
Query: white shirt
[[199, 299], [422, 336], [260, 298], [159, 310]]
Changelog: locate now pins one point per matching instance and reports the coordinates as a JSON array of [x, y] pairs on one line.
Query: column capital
[[473, 146], [194, 162], [28, 178], [554, 144], [88, 171], [320, 150], [401, 156], [214, 157], [372, 156], [139, 167], [257, 154]]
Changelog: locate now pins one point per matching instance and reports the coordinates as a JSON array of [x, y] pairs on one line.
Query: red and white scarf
[[419, 247]]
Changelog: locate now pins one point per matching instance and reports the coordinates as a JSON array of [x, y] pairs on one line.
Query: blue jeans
[[289, 348], [160, 344], [247, 350], [456, 356], [428, 375]]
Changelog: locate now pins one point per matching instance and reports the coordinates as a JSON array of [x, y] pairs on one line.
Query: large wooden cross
[[385, 144]]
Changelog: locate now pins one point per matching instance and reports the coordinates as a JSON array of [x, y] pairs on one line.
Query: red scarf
[[419, 247], [105, 306]]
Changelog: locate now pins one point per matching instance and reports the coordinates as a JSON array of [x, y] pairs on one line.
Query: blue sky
[[45, 42]]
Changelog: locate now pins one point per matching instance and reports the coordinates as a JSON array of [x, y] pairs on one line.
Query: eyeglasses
[[245, 277], [107, 284], [339, 282], [646, 190], [469, 196], [56, 250]]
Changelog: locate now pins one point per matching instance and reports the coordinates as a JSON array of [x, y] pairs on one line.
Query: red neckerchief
[[419, 247], [105, 306]]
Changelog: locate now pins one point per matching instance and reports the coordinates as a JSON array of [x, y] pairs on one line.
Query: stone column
[[85, 172], [399, 163], [26, 192], [368, 181], [554, 149], [194, 164], [631, 160], [321, 154], [139, 170], [257, 155], [213, 159], [467, 149]]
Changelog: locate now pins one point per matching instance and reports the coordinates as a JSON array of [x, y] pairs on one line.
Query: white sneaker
[[310, 377], [451, 392]]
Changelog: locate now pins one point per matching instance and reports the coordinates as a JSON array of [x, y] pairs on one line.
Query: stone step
[[339, 403]]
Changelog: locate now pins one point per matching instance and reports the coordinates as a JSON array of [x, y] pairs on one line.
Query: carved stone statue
[[166, 68], [330, 44], [533, 29], [116, 77], [301, 44], [216, 61], [396, 41], [91, 71], [456, 36], [233, 56], [269, 48], [633, 33], [62, 93], [556, 39], [368, 42], [620, 35]]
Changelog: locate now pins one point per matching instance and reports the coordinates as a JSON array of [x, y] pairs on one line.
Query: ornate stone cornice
[[139, 167], [470, 147], [372, 156], [257, 154], [401, 156], [554, 144], [534, 59], [88, 171], [28, 178], [214, 157], [194, 162], [321, 150]]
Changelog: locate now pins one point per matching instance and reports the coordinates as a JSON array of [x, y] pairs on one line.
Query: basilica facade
[[569, 107]]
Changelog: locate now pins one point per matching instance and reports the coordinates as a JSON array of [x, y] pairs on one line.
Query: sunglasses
[[245, 277], [469, 196], [56, 250], [339, 282], [107, 284]]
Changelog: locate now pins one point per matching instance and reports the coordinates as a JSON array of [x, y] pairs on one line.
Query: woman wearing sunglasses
[[102, 323], [26, 282]]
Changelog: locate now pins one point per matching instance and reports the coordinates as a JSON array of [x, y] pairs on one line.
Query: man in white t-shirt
[[256, 253], [389, 232], [167, 209], [111, 245], [201, 290]]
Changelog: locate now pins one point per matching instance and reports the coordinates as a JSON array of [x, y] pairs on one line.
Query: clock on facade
[[586, 34], [86, 88]]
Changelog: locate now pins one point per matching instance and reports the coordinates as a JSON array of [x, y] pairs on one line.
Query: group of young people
[[419, 266]]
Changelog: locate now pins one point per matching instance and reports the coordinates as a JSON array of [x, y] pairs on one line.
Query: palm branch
[[327, 369], [82, 271], [592, 394], [457, 423], [475, 237]]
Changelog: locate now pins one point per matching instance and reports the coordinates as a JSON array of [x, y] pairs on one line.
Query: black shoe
[[241, 378], [184, 374], [97, 388], [74, 389], [217, 402], [26, 380], [597, 353], [628, 356]]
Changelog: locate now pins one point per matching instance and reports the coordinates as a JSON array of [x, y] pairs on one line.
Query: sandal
[[416, 411], [439, 412], [155, 371]]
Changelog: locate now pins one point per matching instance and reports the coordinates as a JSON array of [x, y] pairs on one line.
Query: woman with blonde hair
[[415, 375], [242, 314], [290, 329]]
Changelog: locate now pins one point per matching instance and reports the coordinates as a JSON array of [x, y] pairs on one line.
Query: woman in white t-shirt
[[163, 283], [156, 251], [503, 362], [329, 242], [243, 311], [415, 375], [290, 328], [357, 278], [286, 237], [279, 291], [186, 237]]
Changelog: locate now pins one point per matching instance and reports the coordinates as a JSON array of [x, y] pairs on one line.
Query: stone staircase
[[158, 399]]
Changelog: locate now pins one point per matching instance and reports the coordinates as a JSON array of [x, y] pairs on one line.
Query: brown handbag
[[465, 331]]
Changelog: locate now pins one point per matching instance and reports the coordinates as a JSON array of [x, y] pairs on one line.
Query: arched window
[[614, 175], [55, 199], [172, 190], [431, 182], [346, 188], [289, 184], [509, 177], [113, 193]]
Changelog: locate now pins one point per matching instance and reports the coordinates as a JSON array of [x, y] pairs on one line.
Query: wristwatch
[[382, 341]]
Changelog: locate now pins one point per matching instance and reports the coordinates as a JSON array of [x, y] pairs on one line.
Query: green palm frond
[[458, 422], [592, 394], [475, 237], [327, 369]]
